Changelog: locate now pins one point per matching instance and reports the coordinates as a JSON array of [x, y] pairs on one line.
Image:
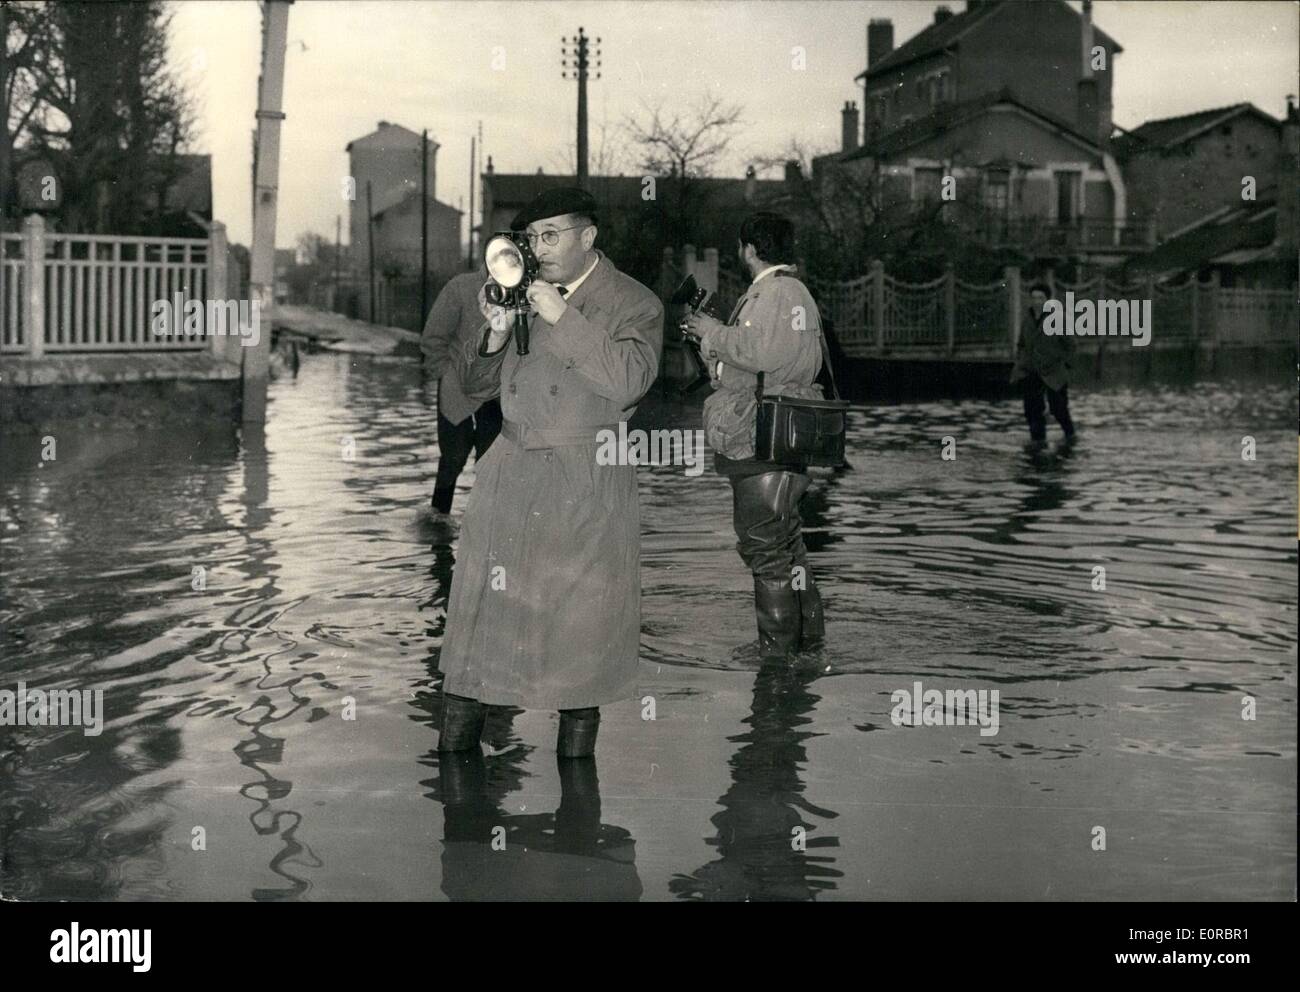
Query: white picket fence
[[80, 293]]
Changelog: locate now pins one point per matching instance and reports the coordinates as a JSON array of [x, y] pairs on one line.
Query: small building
[[388, 161], [1179, 170], [1246, 243], [635, 226], [397, 233]]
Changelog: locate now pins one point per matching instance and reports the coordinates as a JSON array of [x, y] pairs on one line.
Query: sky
[[431, 65]]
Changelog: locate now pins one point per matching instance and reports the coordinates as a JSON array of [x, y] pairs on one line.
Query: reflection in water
[[762, 839], [494, 855]]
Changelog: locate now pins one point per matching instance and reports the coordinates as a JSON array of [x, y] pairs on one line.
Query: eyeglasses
[[551, 237]]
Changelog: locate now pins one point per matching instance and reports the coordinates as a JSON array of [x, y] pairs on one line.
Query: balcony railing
[[1040, 235]]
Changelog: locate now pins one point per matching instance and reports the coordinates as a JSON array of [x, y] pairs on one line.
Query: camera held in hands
[[696, 299], [512, 266]]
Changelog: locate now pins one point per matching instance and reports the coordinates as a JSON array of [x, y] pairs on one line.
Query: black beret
[[555, 202]]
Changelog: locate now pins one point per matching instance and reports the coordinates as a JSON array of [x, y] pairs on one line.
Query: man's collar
[[772, 268], [571, 288]]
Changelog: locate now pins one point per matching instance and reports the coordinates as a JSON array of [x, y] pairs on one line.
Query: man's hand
[[498, 317], [696, 325], [547, 301]]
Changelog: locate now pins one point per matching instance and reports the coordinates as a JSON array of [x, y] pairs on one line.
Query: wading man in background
[[545, 606], [774, 329], [463, 425], [1043, 364]]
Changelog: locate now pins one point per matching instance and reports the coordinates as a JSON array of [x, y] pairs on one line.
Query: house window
[[926, 184], [938, 87], [1067, 197], [996, 192]]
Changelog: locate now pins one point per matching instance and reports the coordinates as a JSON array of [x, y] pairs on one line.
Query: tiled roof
[[404, 136], [937, 37], [518, 189], [400, 194], [1249, 226], [947, 116], [1166, 132]]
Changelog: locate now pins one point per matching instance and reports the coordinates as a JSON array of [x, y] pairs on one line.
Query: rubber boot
[[577, 736], [814, 620], [779, 620], [462, 723]]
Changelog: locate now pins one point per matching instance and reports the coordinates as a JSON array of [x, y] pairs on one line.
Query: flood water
[[281, 718]]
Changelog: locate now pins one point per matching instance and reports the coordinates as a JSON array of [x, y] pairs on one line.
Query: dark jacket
[[1049, 356], [454, 319]]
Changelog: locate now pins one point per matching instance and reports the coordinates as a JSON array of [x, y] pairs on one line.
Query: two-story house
[[1004, 111], [388, 161]]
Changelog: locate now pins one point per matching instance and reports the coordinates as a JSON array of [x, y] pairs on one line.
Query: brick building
[[1181, 169]]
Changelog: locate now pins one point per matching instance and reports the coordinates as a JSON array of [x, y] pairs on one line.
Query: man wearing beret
[[545, 605]]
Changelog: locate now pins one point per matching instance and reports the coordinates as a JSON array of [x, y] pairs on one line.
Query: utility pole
[[4, 140], [581, 64], [424, 226], [469, 258], [338, 244], [370, 237], [270, 97]]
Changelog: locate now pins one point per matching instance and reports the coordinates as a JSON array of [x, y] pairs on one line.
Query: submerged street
[[283, 700]]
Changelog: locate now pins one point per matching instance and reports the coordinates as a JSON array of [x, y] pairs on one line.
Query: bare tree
[[105, 103], [24, 28], [680, 147]]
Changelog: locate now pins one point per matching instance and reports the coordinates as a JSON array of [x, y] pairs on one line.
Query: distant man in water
[[1043, 363]]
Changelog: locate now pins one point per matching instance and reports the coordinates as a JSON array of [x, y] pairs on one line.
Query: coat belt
[[553, 437]]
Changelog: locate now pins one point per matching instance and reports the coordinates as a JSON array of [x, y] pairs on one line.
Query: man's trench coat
[[545, 605]]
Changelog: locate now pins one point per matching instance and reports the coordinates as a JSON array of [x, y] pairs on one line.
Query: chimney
[[751, 184], [1288, 181], [941, 14], [849, 126], [1089, 118], [793, 176], [490, 168], [880, 39]]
